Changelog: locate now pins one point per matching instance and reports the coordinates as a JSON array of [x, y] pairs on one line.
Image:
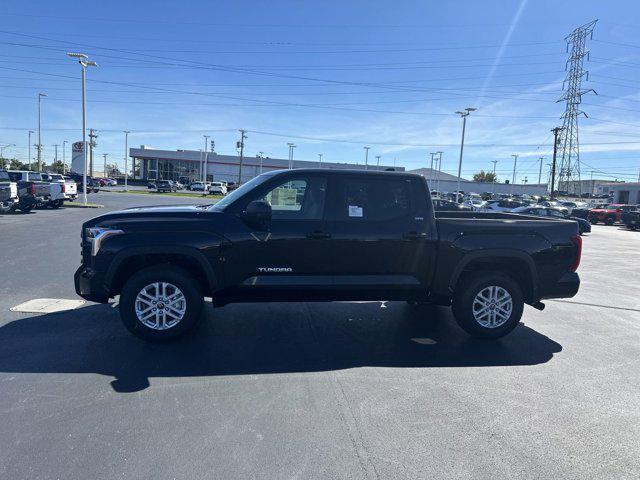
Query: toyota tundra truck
[[325, 235]]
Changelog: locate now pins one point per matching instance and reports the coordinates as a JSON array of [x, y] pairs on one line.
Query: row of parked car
[[25, 190], [212, 188], [585, 214]]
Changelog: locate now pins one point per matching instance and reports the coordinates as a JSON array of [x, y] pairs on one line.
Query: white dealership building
[[152, 164]]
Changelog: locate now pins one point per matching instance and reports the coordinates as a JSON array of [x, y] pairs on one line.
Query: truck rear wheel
[[488, 305], [609, 221], [24, 208], [160, 303]]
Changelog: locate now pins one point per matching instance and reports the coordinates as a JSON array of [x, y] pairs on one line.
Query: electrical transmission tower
[[569, 177]]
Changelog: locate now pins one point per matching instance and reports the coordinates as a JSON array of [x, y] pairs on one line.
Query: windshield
[[239, 192]]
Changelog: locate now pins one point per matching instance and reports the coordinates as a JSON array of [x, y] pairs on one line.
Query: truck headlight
[[97, 235]]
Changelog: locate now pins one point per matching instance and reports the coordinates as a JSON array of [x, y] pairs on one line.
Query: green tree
[[57, 167], [485, 177], [16, 164]]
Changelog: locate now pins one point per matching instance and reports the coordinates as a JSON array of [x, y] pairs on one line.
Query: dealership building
[[152, 164]]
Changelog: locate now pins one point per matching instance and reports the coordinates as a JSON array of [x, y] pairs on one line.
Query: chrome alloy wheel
[[492, 307], [160, 306]]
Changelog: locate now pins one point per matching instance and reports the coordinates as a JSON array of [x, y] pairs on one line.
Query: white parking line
[[47, 305]]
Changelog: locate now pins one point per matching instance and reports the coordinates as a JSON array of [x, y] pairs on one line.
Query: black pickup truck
[[325, 235]]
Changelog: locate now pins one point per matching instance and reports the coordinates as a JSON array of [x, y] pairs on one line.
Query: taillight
[[64, 188], [32, 189], [577, 241]]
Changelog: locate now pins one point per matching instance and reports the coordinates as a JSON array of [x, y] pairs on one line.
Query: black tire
[[464, 299], [56, 204], [609, 221], [26, 208], [161, 273], [593, 220]]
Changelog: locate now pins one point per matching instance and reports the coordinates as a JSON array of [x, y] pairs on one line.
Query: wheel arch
[[518, 265], [131, 260]]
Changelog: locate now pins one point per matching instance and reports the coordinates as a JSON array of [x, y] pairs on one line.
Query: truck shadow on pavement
[[260, 339]]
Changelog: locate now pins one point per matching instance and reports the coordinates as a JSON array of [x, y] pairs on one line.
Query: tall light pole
[[104, 155], [261, 157], [540, 173], [366, 158], [30, 132], [55, 155], [241, 146], [515, 164], [84, 63], [40, 95], [494, 174], [377, 162], [126, 159], [205, 158], [64, 157], [438, 170], [291, 147], [319, 160], [464, 116], [431, 175]]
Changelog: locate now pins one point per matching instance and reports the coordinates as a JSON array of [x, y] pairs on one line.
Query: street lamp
[[291, 147], [30, 132], [515, 164], [40, 95], [261, 157], [320, 160], [464, 116], [377, 162], [84, 62], [366, 158], [126, 159]]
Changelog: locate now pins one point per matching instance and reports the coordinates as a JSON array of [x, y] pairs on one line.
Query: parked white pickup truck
[[62, 188], [8, 193]]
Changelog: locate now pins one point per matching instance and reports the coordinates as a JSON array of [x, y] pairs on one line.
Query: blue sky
[[329, 76]]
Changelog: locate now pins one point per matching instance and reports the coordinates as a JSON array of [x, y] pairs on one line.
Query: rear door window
[[374, 199]]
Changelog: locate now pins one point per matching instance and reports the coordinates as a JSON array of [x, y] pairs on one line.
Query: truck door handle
[[318, 235], [414, 235]]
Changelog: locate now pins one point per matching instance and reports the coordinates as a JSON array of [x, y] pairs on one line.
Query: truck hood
[[155, 213]]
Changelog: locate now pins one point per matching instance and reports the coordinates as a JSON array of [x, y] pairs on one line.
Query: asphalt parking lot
[[343, 390]]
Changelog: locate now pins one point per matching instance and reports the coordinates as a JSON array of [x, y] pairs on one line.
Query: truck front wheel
[[160, 303], [488, 305]]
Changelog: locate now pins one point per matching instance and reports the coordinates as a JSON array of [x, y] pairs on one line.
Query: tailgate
[[71, 188]]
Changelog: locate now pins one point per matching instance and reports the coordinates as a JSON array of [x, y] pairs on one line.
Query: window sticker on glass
[[355, 211]]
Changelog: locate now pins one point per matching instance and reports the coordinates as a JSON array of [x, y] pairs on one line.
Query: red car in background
[[610, 214]]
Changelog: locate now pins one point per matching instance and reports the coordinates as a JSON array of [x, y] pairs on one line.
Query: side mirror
[[258, 213]]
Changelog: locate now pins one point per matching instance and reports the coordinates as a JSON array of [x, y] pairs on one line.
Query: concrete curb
[[81, 205]]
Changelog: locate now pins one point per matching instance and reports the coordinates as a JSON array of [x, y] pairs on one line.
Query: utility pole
[[431, 176], [64, 157], [438, 171], [92, 144], [573, 92], [555, 131], [261, 156], [30, 159], [126, 159], [464, 116], [319, 160], [540, 174], [105, 164], [366, 157], [55, 155], [241, 146], [40, 95], [291, 147], [515, 164]]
